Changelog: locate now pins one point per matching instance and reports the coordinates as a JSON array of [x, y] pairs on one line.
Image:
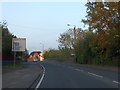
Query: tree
[[103, 18], [6, 40], [66, 40], [7, 53]]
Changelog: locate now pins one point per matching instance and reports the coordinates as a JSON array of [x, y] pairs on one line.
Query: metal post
[[42, 46], [22, 56], [14, 54], [0, 43]]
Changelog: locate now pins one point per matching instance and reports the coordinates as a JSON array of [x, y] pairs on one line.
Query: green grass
[[13, 67]]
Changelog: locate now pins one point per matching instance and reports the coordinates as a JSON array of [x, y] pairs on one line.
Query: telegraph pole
[[74, 39]]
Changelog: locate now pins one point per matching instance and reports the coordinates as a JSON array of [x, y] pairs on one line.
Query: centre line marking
[[116, 82], [95, 75]]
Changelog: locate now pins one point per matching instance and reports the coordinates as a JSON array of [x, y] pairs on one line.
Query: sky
[[41, 23]]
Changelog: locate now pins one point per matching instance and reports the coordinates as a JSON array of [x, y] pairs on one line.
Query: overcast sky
[[42, 22]]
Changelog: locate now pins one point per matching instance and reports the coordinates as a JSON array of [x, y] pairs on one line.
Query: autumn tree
[[103, 19], [100, 43]]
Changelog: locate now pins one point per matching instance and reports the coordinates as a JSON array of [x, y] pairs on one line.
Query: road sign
[[18, 44]]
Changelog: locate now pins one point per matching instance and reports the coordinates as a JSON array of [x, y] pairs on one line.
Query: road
[[63, 75]]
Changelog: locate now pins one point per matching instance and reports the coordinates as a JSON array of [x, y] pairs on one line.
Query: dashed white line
[[79, 70], [95, 75], [116, 82], [41, 78]]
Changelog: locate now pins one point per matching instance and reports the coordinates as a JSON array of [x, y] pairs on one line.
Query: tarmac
[[26, 77]]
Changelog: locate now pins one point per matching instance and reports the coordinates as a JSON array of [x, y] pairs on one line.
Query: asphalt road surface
[[63, 75]]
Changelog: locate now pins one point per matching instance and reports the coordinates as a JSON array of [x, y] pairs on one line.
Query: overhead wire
[[21, 26]]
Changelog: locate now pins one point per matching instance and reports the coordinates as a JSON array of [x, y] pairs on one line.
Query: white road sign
[[18, 44]]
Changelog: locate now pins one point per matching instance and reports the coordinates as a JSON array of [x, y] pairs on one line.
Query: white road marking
[[79, 70], [38, 85], [116, 82], [95, 75]]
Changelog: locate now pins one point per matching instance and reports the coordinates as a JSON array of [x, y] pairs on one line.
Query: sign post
[[18, 45], [14, 57]]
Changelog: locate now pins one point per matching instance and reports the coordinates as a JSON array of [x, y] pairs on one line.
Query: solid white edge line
[[116, 82], [41, 78], [95, 74]]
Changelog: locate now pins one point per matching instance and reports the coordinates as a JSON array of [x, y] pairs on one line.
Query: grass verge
[[13, 67]]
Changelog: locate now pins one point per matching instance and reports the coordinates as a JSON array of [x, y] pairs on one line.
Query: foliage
[[100, 43], [7, 53], [57, 54], [66, 40], [6, 40], [104, 19]]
